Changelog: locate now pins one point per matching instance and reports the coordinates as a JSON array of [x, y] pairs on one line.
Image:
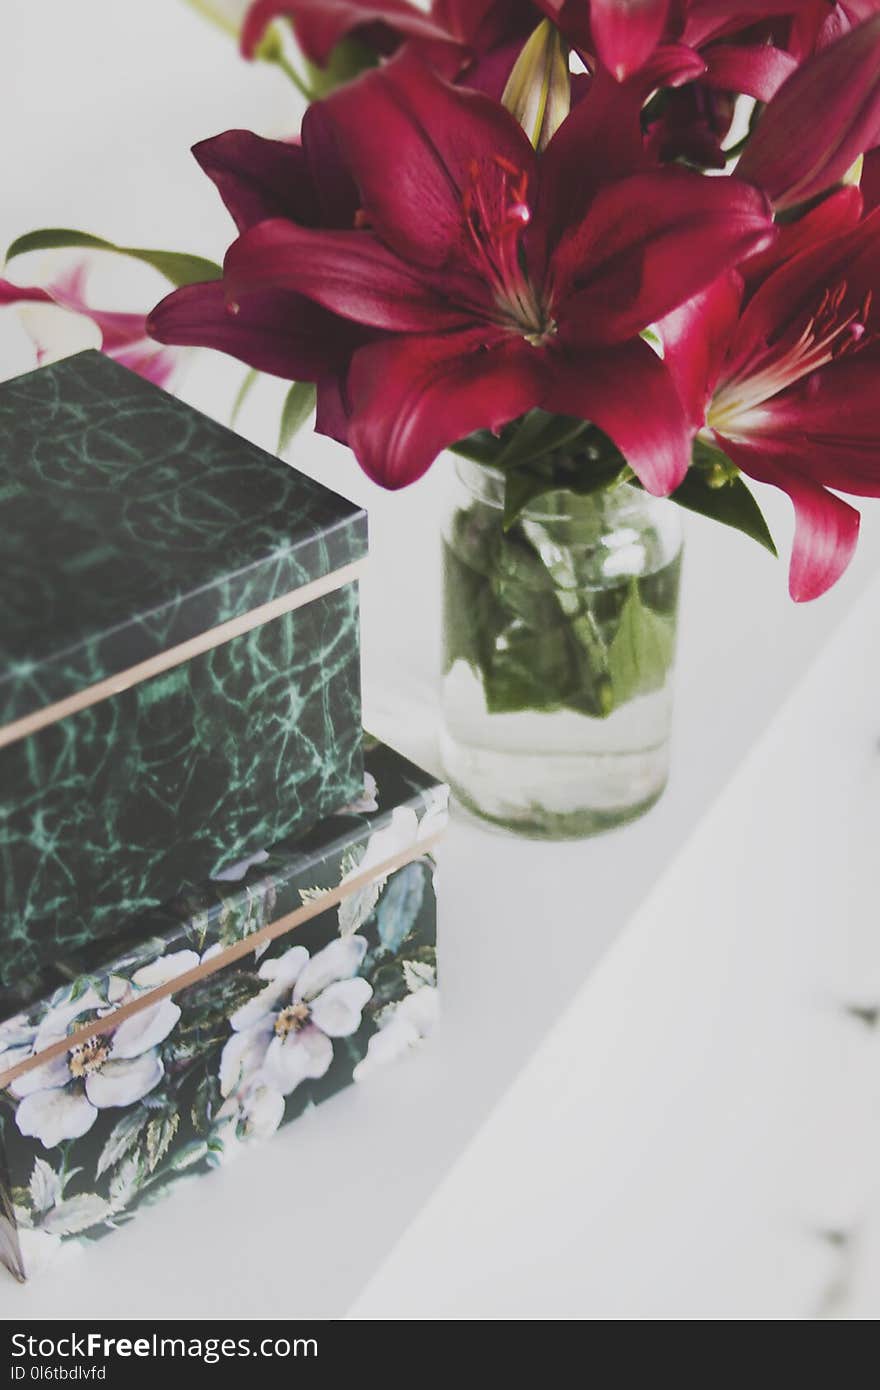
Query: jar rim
[[471, 474]]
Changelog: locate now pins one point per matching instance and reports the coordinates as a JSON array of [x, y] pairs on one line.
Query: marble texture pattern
[[131, 523]]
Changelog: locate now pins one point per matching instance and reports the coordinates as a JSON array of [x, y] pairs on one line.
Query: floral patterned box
[[218, 1018]]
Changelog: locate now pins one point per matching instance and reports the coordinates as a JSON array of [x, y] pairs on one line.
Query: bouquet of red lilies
[[504, 229]]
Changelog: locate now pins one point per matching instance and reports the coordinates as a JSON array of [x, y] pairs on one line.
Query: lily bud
[[853, 177], [538, 91], [822, 118]]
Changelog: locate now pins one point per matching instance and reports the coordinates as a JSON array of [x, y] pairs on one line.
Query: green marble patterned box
[[179, 652], [302, 971]]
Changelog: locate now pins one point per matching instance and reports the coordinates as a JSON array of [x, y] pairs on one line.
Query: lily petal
[[791, 294], [838, 213], [755, 70], [349, 273], [695, 340], [442, 137], [413, 397], [320, 25], [602, 139], [626, 32], [649, 244], [337, 1010], [827, 426], [258, 179], [819, 122], [121, 336], [277, 331], [124, 1082], [630, 395], [826, 528], [53, 1116]]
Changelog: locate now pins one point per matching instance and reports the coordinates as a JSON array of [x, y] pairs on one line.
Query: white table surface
[[661, 1134]]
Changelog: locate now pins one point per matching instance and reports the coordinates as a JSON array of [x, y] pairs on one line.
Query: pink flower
[[487, 281], [779, 367], [121, 336]]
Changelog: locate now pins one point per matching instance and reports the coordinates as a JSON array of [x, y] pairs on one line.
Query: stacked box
[[218, 1018], [179, 654]]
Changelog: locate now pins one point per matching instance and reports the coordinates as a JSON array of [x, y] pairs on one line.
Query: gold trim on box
[[177, 656], [245, 947]]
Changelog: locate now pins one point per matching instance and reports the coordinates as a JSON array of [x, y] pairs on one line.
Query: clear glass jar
[[559, 646]]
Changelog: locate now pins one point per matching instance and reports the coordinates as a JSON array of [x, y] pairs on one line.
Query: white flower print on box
[[284, 1035], [182, 1086], [402, 1027], [61, 1098]]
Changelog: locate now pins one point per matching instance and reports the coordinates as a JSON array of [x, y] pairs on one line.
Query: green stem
[[290, 71]]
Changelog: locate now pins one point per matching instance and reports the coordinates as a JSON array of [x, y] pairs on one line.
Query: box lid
[[342, 863], [132, 525]]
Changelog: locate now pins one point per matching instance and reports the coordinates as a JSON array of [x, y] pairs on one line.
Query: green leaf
[[190, 1154], [480, 447], [122, 1138], [733, 504], [538, 434], [177, 266], [77, 1214], [582, 474], [160, 1133], [298, 406], [206, 1103], [521, 487], [399, 906], [248, 383], [641, 651], [45, 1186], [126, 1181]]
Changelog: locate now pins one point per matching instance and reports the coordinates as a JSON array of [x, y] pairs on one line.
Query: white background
[[703, 1108]]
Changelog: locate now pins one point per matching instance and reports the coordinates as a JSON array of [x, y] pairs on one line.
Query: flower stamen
[[292, 1020], [824, 338], [89, 1056], [494, 230]]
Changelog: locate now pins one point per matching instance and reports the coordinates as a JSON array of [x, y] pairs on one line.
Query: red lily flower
[[623, 33], [320, 25], [822, 118], [281, 332], [780, 369], [122, 336], [492, 282], [817, 23]]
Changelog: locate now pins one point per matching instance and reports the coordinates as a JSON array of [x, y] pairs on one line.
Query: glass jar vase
[[559, 647]]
